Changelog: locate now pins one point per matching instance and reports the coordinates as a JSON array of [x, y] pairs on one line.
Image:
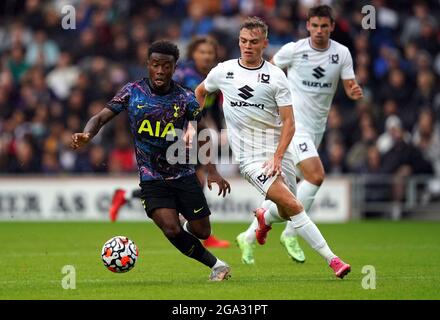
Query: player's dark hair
[[198, 40], [164, 47], [254, 23], [321, 11]]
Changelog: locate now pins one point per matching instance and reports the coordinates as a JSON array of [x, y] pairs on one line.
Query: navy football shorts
[[183, 194]]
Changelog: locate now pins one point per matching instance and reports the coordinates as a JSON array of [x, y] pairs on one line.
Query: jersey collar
[[256, 68], [320, 50], [152, 90]]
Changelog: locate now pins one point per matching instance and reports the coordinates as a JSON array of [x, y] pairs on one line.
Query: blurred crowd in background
[[53, 79]]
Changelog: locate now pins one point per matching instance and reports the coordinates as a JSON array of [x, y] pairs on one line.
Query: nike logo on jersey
[[198, 210], [140, 106]]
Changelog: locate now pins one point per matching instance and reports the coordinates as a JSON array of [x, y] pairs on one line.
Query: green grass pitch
[[405, 255]]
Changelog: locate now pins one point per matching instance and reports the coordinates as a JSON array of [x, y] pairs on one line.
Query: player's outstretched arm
[[352, 89], [92, 127]]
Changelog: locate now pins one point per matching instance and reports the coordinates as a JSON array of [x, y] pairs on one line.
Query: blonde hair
[[254, 23]]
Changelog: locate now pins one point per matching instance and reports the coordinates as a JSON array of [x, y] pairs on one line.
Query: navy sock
[[136, 193], [193, 248]]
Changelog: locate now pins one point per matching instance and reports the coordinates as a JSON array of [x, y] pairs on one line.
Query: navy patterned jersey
[[152, 117]]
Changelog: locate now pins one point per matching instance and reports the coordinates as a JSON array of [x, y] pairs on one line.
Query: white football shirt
[[313, 77], [251, 98]]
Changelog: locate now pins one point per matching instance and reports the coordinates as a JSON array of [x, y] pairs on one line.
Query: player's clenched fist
[[79, 140]]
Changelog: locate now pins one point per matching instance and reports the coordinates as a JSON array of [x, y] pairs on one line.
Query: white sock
[[218, 263], [289, 230], [306, 195], [250, 232], [311, 234], [271, 215]]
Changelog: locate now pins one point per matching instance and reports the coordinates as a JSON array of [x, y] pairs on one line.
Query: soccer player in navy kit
[[157, 106], [202, 56]]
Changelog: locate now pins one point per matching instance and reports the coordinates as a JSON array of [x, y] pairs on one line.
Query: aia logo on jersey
[[155, 129], [230, 75], [319, 72], [334, 58], [264, 78], [303, 147], [246, 92]]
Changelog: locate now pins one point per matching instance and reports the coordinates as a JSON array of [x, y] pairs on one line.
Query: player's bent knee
[[316, 178], [203, 234], [294, 207], [291, 206], [297, 206], [320, 179], [171, 231]]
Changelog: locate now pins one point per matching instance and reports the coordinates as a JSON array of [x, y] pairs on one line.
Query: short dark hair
[[198, 40], [321, 11], [164, 47], [253, 23]]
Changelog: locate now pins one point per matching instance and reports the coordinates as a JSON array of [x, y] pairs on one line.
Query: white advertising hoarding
[[88, 198], [332, 203]]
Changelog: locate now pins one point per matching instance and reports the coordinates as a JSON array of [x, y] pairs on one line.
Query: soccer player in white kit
[[314, 66], [257, 106]]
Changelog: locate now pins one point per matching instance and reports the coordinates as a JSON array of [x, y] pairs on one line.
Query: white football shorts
[[305, 145], [254, 173]]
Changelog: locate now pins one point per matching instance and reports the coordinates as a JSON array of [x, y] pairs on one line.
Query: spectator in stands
[[387, 139], [358, 153], [426, 137], [25, 158], [412, 28], [401, 161], [377, 189], [197, 22], [334, 163], [87, 45], [63, 77], [426, 92], [396, 88], [403, 157], [17, 64], [94, 160], [42, 51], [122, 158]]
